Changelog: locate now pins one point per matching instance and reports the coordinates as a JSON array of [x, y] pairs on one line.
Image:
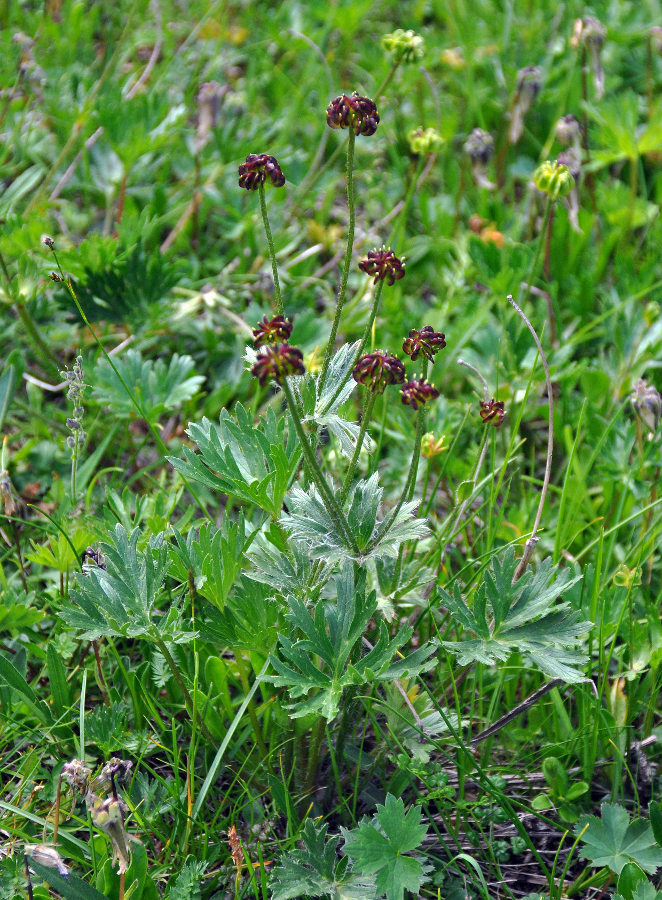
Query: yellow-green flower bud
[[404, 45], [424, 141], [553, 179]]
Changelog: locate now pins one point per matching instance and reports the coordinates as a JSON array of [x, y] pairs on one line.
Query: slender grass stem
[[272, 251], [330, 503], [367, 412], [348, 259], [179, 678]]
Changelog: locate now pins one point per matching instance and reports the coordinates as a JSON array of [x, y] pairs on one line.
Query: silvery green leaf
[[338, 380], [286, 572], [346, 433], [525, 617]]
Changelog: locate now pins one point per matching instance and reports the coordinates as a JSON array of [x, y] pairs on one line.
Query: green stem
[[408, 490], [330, 503], [385, 83], [314, 752], [25, 317], [179, 678], [272, 252], [541, 241], [367, 412], [348, 259]]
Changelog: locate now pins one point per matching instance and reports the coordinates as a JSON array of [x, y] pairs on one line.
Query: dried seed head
[[426, 341], [277, 361], [48, 241], [479, 146], [384, 265], [424, 141], [235, 848], [593, 32], [272, 331], [568, 130], [417, 393], [257, 168], [378, 369], [356, 112], [553, 179], [77, 775], [404, 45], [209, 99], [647, 403], [492, 411], [117, 771]]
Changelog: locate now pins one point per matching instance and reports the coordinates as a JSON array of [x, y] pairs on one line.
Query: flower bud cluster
[[275, 358], [404, 45], [257, 168], [384, 265], [492, 411], [424, 141], [356, 112]]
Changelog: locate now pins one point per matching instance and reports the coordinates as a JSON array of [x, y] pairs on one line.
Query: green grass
[[266, 654]]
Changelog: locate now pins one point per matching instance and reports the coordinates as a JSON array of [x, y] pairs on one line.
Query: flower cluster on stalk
[[384, 265], [378, 369], [275, 358], [416, 393], [426, 341], [492, 411], [257, 168], [355, 112]]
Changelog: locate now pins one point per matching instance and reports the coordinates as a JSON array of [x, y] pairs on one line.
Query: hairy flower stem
[[367, 413], [410, 483], [348, 259], [272, 251], [330, 503], [131, 394], [371, 321]]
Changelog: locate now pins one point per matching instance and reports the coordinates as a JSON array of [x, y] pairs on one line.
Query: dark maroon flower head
[[359, 113], [492, 411], [277, 361], [255, 170], [376, 370], [383, 264], [272, 331], [426, 341], [416, 393]]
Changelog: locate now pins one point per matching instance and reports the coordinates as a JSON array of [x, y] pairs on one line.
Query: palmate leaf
[[251, 462], [523, 617], [614, 841], [378, 847], [122, 600], [248, 621], [157, 387], [213, 557], [326, 661], [315, 871], [310, 523]]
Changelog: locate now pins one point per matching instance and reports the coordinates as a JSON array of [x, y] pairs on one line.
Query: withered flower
[[272, 331], [77, 775], [479, 147], [384, 265], [277, 361], [593, 35], [376, 370], [568, 131], [257, 168], [47, 856], [116, 771], [528, 85], [356, 112], [492, 411], [108, 815], [426, 341], [416, 393], [647, 403]]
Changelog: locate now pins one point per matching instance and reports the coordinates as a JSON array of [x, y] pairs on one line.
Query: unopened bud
[[553, 179]]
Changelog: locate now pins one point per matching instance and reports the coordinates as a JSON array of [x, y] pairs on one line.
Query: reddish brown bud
[[416, 393], [426, 341], [358, 113], [376, 370], [255, 170], [272, 331], [277, 361], [492, 411], [384, 265]]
